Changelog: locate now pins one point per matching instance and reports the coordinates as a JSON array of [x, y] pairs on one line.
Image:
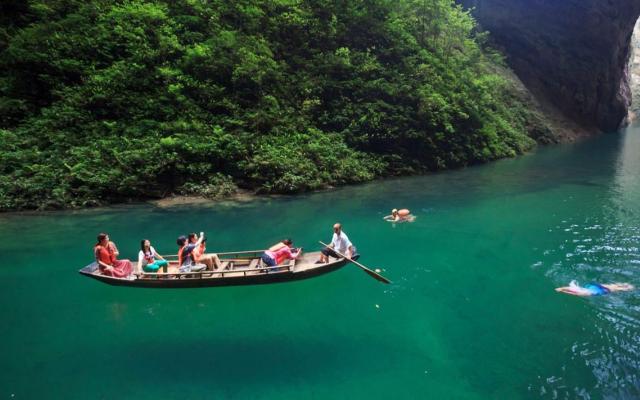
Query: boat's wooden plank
[[229, 253], [240, 252]]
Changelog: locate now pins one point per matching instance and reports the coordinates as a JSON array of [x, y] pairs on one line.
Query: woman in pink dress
[[106, 252], [280, 252]]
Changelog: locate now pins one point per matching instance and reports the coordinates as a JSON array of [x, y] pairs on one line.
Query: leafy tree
[[105, 101]]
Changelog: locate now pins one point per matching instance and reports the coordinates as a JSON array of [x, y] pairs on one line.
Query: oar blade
[[376, 276], [369, 272]]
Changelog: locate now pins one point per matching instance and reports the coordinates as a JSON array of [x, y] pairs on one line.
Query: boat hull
[[258, 276]]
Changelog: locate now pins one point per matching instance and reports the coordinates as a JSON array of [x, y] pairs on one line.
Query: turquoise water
[[471, 314]]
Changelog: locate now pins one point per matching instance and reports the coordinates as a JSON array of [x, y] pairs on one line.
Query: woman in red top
[[280, 252], [105, 252]]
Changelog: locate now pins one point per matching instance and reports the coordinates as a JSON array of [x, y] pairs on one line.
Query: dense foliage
[[104, 101]]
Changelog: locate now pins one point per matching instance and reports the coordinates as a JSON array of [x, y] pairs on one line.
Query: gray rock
[[573, 53]]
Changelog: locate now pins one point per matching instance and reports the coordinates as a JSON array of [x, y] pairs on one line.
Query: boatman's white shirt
[[341, 243]]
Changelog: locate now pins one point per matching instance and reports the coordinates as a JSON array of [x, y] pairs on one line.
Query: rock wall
[[634, 74], [572, 53]]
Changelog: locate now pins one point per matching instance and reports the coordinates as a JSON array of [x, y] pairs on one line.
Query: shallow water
[[471, 314]]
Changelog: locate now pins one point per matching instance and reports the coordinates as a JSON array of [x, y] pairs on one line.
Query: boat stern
[[89, 269]]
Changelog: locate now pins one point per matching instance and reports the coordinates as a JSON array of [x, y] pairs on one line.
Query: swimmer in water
[[594, 289], [403, 215]]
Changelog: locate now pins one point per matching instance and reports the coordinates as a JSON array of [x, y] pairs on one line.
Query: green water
[[471, 314]]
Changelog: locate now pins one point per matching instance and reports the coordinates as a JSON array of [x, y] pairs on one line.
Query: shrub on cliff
[[106, 101]]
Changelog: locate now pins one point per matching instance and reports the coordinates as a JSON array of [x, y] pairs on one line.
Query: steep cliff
[[634, 74], [572, 53]]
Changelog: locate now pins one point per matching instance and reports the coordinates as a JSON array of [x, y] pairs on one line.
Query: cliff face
[[572, 53], [634, 74]]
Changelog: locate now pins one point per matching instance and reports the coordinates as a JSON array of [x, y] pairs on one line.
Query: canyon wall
[[571, 53]]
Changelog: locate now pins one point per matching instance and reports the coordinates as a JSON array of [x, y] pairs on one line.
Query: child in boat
[[594, 289], [149, 260], [280, 252], [106, 252]]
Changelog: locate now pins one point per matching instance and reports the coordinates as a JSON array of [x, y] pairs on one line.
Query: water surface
[[471, 314]]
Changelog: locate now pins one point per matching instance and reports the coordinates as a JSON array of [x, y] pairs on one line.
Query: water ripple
[[586, 251]]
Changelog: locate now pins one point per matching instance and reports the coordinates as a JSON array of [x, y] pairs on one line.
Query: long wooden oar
[[369, 272]]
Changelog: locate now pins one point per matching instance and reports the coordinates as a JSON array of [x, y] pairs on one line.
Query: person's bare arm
[[571, 291], [107, 266], [296, 254], [114, 248], [104, 264], [200, 239], [349, 252]]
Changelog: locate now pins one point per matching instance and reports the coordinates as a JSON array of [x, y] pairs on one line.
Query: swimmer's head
[[394, 211]]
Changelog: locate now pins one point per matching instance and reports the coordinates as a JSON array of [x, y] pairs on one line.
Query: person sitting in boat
[[186, 261], [106, 252], [280, 252], [341, 243], [594, 289], [403, 215], [149, 260], [199, 253], [113, 248]]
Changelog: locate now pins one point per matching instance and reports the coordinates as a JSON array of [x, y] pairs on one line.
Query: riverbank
[[552, 127], [242, 196]]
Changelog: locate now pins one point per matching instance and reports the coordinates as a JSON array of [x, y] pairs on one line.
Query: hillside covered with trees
[[106, 101]]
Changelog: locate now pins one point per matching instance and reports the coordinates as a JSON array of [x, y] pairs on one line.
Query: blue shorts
[[268, 260], [596, 289]]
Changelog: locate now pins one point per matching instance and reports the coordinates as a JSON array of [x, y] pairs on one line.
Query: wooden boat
[[239, 268]]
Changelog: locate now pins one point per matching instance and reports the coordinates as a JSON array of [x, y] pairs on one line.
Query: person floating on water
[[403, 215], [594, 289]]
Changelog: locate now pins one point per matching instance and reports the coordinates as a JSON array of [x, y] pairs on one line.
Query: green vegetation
[[104, 101]]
